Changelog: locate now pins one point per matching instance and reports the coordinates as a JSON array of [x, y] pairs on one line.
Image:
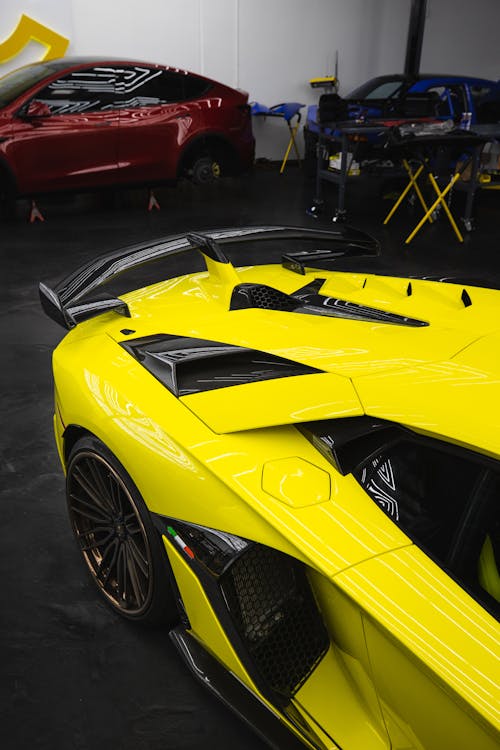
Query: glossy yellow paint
[[58, 430], [295, 482], [344, 622], [185, 470], [204, 624], [410, 649], [333, 698], [434, 651], [206, 627], [450, 399], [341, 346], [221, 279], [282, 401], [483, 355]]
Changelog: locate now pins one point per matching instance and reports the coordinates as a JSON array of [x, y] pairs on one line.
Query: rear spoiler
[[66, 305]]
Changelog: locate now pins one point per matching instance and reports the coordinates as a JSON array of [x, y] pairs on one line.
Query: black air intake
[[188, 365], [275, 614], [263, 297]]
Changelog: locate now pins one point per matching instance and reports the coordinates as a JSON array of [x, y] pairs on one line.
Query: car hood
[[411, 375], [441, 377], [457, 398]]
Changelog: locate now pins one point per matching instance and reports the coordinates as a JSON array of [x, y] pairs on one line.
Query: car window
[[478, 91], [140, 86], [376, 88], [443, 105], [452, 100], [87, 90], [385, 90], [486, 103], [447, 501], [195, 86], [18, 81]]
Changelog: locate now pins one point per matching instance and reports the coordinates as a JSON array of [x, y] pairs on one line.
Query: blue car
[[393, 96], [396, 98]]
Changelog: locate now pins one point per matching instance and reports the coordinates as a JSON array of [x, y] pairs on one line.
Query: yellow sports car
[[297, 469]]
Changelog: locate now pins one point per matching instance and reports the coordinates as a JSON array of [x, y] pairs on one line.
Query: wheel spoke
[[101, 566], [98, 509], [100, 484], [138, 556], [115, 494], [98, 529], [100, 522], [134, 578], [132, 524], [93, 530], [95, 544], [121, 575], [111, 564], [134, 529], [91, 490]]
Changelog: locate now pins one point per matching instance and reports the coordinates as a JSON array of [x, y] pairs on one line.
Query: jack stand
[[316, 210], [35, 213], [153, 203], [340, 216]]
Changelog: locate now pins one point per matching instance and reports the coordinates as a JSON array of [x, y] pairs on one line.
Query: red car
[[77, 123]]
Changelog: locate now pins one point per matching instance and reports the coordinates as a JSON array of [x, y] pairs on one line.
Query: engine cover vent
[[188, 365]]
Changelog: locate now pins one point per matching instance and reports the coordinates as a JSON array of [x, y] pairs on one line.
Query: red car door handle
[[102, 124]]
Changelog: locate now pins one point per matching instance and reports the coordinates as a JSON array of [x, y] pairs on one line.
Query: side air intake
[[276, 617], [188, 365], [263, 601]]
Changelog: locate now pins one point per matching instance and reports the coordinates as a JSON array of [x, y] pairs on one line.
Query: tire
[[205, 170], [120, 546]]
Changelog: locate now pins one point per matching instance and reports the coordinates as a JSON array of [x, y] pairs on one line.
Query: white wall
[[284, 43], [270, 48], [462, 37]]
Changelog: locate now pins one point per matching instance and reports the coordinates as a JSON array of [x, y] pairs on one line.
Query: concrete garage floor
[[75, 676]]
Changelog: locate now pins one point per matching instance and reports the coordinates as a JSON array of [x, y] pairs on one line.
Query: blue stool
[[287, 111]]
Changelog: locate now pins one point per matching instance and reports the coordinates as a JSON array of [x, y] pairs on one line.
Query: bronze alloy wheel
[[112, 537]]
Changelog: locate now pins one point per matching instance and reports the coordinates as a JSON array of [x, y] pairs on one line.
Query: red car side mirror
[[37, 109]]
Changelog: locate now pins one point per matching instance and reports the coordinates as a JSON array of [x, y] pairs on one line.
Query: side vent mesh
[[275, 615]]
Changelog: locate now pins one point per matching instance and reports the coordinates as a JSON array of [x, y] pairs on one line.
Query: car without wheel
[[81, 123]]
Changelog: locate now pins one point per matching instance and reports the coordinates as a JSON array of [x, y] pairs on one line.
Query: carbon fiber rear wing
[[69, 302]]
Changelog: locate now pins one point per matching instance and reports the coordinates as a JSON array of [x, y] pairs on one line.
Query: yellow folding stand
[[429, 210], [424, 158]]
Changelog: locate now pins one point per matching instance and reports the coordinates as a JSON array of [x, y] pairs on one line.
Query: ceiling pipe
[[415, 37]]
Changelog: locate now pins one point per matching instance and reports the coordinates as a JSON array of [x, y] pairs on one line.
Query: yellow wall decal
[[27, 30]]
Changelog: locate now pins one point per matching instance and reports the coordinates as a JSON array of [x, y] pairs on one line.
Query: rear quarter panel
[[433, 652], [186, 471]]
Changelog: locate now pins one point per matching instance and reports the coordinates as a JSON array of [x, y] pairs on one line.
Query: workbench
[[346, 137], [342, 135]]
